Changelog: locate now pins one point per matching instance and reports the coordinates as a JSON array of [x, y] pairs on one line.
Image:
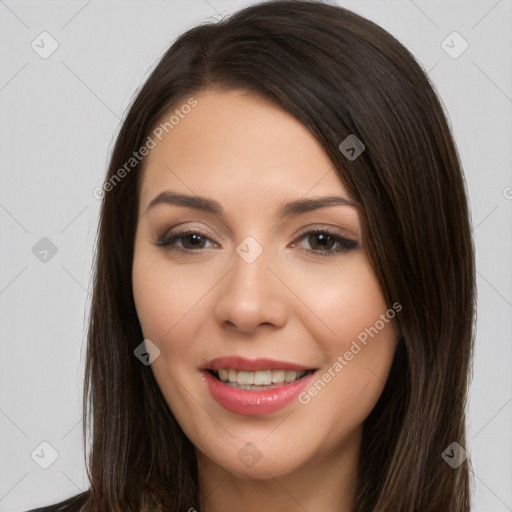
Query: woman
[[283, 304]]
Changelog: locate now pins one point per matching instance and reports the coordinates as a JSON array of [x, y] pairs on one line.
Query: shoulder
[[73, 504]]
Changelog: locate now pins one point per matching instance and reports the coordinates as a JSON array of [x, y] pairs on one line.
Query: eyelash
[[169, 239]]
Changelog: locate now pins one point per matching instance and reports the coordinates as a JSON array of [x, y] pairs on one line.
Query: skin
[[290, 304]]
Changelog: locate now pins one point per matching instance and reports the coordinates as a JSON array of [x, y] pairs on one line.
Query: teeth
[[289, 376], [263, 378], [259, 378], [277, 376], [245, 378]]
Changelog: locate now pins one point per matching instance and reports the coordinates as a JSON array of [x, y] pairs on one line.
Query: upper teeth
[[260, 377]]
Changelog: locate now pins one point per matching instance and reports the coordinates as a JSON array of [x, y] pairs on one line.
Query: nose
[[250, 297]]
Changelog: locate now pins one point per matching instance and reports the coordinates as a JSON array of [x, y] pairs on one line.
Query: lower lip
[[254, 403]]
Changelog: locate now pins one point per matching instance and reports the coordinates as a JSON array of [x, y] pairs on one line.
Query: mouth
[[255, 386], [259, 380]]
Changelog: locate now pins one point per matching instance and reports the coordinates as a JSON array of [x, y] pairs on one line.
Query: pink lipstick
[[255, 386]]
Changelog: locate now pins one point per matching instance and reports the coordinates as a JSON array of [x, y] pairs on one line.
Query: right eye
[[185, 241]]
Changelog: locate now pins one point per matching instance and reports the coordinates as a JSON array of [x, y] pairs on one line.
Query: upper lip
[[244, 364]]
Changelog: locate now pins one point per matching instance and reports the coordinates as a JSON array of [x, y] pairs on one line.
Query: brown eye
[[321, 241], [192, 241], [188, 241], [325, 242]]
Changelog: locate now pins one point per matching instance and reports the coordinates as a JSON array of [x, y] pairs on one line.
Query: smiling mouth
[[259, 380]]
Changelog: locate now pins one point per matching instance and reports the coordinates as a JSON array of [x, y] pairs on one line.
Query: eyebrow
[[210, 205]]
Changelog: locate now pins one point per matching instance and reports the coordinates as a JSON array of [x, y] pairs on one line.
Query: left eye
[[321, 241]]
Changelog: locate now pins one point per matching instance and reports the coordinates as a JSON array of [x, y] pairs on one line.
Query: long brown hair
[[338, 74]]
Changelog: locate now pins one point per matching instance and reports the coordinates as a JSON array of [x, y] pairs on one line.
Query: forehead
[[237, 145]]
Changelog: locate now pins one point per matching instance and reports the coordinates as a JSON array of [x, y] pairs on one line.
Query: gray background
[[59, 119]]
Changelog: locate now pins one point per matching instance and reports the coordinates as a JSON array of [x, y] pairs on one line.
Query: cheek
[[168, 302], [167, 297], [342, 302], [358, 335]]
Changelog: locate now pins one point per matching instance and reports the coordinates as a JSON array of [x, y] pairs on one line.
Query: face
[[275, 339]]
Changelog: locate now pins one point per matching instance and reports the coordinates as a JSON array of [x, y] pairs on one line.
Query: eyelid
[[337, 230], [327, 228], [188, 228]]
